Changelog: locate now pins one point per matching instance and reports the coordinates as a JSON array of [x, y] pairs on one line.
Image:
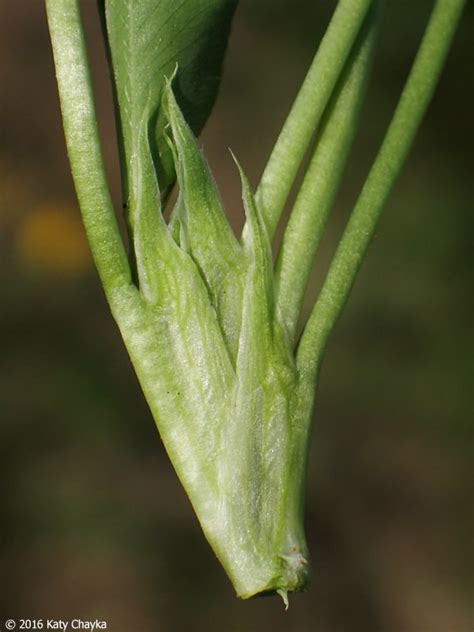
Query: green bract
[[216, 367], [209, 322]]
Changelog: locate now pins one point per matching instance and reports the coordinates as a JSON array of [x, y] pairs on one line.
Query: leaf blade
[[146, 41]]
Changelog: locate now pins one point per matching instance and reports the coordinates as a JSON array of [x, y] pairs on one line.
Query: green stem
[[415, 98], [83, 144], [323, 174], [307, 110]]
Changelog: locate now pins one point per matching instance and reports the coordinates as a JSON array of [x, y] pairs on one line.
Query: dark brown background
[[93, 520]]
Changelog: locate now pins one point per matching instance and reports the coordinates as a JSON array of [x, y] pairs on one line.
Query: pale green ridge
[[200, 224], [262, 434], [258, 250], [202, 212], [152, 243]]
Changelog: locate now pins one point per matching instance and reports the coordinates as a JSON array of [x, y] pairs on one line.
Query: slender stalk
[[313, 203], [415, 98], [83, 144], [307, 110]]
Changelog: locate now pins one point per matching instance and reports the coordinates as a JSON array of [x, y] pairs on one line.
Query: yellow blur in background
[[50, 240]]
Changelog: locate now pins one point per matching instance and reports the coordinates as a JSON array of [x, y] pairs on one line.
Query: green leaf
[[147, 39]]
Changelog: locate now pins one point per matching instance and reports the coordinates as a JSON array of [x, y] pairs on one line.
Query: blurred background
[[93, 520]]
